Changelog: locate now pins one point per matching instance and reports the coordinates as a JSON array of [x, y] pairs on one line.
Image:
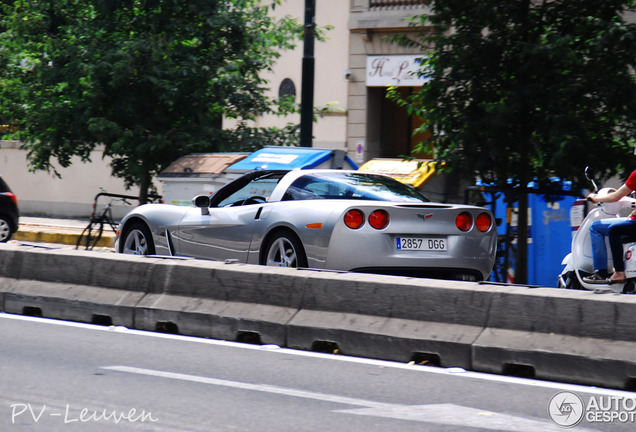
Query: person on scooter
[[615, 229]]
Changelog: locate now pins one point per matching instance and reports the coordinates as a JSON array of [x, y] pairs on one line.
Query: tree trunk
[[144, 185]]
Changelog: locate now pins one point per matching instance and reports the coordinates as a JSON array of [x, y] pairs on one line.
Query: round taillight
[[464, 221], [354, 219], [483, 222], [379, 219]]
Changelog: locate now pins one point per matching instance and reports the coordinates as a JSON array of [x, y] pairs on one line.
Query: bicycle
[[93, 232], [503, 270]]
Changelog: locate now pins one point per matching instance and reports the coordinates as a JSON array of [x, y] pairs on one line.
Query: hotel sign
[[394, 70]]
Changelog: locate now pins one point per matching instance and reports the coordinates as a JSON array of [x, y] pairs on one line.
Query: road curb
[[58, 237]]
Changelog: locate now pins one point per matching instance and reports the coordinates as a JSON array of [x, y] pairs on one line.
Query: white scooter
[[578, 263]]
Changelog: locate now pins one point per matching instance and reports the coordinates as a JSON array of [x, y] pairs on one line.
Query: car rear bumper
[[466, 258]]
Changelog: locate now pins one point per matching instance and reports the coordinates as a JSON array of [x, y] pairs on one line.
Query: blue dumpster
[[549, 235], [286, 158]]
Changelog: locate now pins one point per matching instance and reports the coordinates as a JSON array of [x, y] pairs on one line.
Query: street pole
[[307, 91]]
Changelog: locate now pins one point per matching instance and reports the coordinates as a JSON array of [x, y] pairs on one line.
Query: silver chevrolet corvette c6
[[324, 219]]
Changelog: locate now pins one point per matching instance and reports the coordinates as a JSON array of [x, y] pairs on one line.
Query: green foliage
[[150, 80], [527, 90]]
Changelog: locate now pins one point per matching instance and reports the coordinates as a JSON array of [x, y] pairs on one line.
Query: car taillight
[[464, 221], [379, 219], [354, 219], [13, 197], [483, 222]]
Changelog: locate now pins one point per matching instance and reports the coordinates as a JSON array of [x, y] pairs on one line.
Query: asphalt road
[[60, 376]]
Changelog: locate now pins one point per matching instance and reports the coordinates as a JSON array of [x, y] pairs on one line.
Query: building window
[[287, 89]]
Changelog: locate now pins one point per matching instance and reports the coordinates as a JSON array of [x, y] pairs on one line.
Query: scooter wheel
[[629, 287], [570, 280]]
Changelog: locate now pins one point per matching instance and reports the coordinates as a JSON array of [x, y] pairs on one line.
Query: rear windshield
[[3, 186], [342, 185]]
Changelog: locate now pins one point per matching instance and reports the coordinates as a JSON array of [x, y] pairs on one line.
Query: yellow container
[[414, 172]]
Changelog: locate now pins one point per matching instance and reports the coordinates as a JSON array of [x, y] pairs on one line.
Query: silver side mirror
[[203, 202]]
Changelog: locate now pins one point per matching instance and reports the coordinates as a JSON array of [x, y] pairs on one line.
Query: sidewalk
[[58, 231]]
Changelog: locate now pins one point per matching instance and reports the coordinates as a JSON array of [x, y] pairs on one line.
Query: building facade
[[377, 127], [354, 67]]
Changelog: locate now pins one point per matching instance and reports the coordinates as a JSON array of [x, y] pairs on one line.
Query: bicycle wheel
[[90, 236], [107, 220]]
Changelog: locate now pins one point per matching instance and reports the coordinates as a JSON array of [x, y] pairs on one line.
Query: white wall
[[71, 196]]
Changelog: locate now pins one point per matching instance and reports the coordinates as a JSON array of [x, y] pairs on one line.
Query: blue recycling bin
[[549, 234], [288, 158]]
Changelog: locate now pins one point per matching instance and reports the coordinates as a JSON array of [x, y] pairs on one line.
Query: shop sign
[[394, 70]]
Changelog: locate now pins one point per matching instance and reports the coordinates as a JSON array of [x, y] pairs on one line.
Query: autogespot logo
[[566, 409]]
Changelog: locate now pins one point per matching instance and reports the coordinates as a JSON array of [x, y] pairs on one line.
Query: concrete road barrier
[[222, 301], [71, 285], [393, 318], [570, 336], [577, 336]]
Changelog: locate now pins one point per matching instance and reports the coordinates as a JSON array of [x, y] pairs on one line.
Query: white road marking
[[461, 416], [447, 414], [265, 388], [458, 372]]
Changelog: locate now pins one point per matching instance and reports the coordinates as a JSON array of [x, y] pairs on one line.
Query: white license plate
[[420, 244]]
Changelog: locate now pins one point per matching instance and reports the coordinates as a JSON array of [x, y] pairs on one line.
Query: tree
[[526, 90], [150, 80]]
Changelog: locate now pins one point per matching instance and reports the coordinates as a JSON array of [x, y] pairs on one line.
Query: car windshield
[[256, 190], [347, 185]]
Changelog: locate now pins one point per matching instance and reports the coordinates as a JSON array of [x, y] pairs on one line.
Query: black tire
[[6, 230], [571, 282], [284, 249], [90, 236], [137, 240]]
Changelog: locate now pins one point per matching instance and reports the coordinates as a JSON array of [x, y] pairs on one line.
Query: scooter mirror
[[589, 174]]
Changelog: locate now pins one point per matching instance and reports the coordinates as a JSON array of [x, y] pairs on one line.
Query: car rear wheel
[[284, 249], [5, 229], [138, 240]]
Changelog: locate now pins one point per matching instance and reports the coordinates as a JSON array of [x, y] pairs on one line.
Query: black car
[[9, 213]]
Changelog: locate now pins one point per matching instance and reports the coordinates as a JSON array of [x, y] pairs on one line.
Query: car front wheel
[[284, 249], [138, 240], [5, 229]]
